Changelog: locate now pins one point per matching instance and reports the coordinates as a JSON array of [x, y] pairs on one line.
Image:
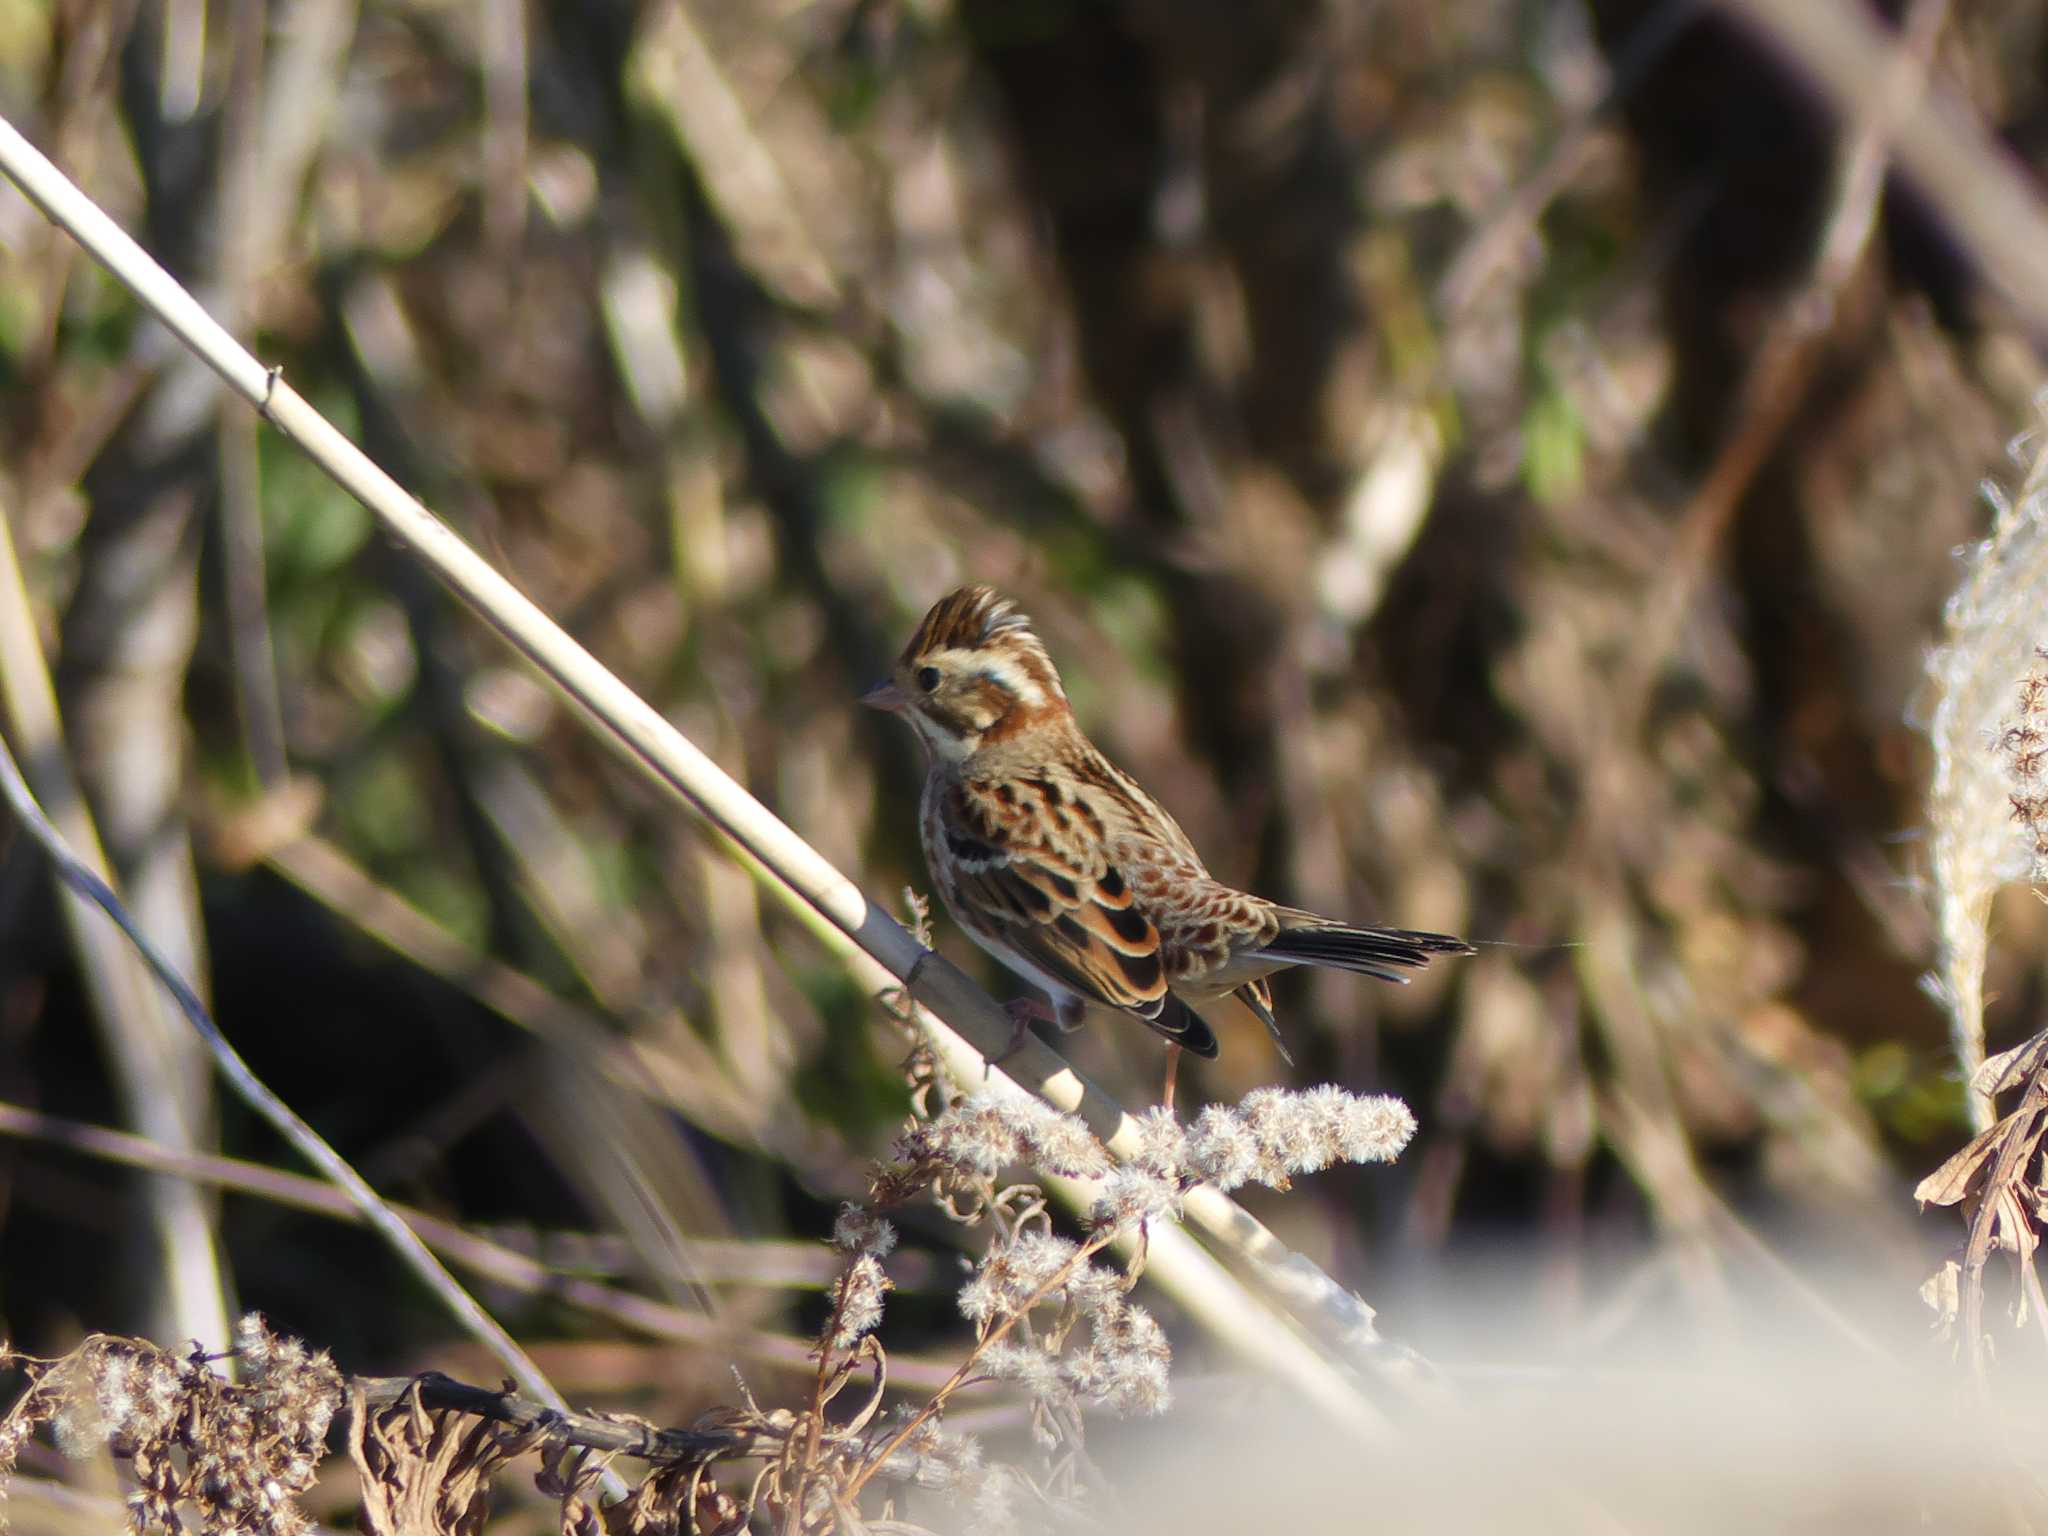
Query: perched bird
[[1058, 864]]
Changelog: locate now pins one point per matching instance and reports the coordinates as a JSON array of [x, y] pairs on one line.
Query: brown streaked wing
[[1128, 810], [1067, 910]]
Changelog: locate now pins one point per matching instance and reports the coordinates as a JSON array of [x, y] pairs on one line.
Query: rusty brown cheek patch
[[1006, 718]]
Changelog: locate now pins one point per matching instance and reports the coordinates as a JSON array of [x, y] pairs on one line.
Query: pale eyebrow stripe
[[1006, 676]]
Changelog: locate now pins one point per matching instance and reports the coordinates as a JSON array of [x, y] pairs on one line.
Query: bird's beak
[[885, 696]]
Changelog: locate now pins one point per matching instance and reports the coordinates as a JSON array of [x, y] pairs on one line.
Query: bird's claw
[[1023, 1012]]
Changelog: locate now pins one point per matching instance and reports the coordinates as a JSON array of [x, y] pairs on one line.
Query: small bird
[[1059, 865]]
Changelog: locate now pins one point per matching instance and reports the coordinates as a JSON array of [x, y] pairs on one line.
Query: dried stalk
[[598, 1433], [1975, 183], [258, 1096], [135, 1027], [791, 1264]]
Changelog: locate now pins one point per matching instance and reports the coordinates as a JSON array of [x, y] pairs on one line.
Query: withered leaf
[[426, 1472], [1943, 1291], [1953, 1179], [2013, 1232], [2008, 1069]]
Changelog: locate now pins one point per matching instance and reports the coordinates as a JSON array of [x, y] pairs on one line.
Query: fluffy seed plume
[[1013, 1274], [984, 1134], [1990, 649], [859, 1304], [1125, 1365], [2023, 746], [860, 1230], [1275, 1135]]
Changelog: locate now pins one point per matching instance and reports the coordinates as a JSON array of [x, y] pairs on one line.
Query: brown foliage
[[238, 1454]]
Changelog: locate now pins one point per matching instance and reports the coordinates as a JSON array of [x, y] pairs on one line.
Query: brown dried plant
[[237, 1453], [1998, 1177], [1035, 1288], [1998, 1180], [1989, 650], [427, 1472], [1049, 1322]]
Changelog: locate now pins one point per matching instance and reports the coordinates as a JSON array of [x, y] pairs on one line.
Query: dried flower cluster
[[237, 1453], [1990, 647], [2023, 746], [1275, 1134], [857, 1301], [977, 1138], [1026, 1298], [1047, 1317], [1124, 1365], [866, 1239]]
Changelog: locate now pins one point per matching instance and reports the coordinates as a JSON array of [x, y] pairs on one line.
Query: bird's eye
[[928, 678]]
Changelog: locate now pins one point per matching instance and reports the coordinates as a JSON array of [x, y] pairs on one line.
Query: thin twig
[[493, 1261], [140, 1038], [1974, 181], [1789, 355], [625, 1438]]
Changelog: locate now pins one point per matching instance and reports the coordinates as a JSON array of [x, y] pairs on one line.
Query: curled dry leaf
[[1943, 1292], [427, 1472], [568, 1474], [1955, 1178], [1993, 1180], [2008, 1069], [680, 1496]]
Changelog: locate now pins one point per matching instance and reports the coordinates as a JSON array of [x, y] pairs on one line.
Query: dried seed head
[[1031, 1366], [986, 1133], [238, 1453], [1126, 1363], [2023, 754], [859, 1308], [860, 1230], [1134, 1194]]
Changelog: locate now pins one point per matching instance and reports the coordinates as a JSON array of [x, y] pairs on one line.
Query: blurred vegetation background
[[1426, 433]]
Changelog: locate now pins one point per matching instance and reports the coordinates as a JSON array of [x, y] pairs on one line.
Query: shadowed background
[[1427, 436]]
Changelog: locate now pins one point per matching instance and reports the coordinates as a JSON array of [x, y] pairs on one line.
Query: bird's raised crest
[[981, 619], [966, 619]]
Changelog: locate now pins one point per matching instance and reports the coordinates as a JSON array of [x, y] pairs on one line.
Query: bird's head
[[974, 676]]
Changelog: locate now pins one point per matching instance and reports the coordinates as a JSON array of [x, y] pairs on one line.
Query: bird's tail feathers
[[1368, 951], [1184, 1027]]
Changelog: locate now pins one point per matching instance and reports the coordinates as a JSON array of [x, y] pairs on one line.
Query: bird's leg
[[1023, 1012], [1172, 1067]]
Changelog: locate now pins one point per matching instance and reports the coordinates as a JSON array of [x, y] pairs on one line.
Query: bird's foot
[[1023, 1012]]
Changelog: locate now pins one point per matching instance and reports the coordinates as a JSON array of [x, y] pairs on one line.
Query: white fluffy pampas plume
[[1988, 804]]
